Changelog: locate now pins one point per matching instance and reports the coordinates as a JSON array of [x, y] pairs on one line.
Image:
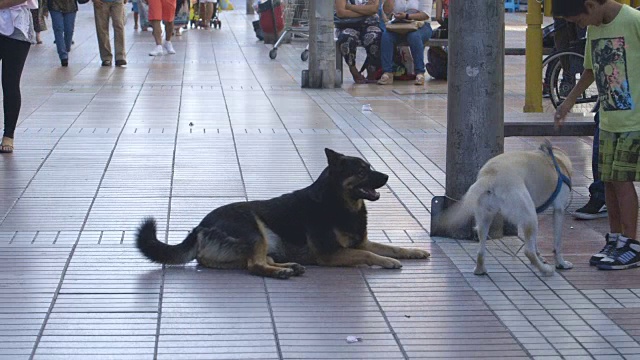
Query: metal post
[[475, 104], [548, 8], [533, 54], [250, 10], [322, 58]]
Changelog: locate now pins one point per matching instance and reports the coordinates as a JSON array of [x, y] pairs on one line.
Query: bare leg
[[168, 30], [157, 31], [135, 21], [627, 207]]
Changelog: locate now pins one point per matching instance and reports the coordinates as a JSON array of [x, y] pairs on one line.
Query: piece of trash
[[408, 316], [353, 339], [190, 124], [571, 227], [367, 107]]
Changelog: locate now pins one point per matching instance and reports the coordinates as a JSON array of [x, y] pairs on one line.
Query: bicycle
[[562, 70]]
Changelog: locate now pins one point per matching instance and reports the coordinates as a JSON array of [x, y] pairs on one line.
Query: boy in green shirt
[[612, 59]]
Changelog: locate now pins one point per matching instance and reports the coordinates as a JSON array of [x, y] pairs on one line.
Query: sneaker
[[386, 79], [121, 62], [625, 256], [64, 62], [611, 240], [157, 51], [169, 47], [419, 79], [594, 209], [106, 63]]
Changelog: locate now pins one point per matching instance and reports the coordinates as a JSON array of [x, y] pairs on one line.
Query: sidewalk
[[98, 149]]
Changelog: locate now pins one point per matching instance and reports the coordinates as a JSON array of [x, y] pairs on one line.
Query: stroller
[[196, 18]]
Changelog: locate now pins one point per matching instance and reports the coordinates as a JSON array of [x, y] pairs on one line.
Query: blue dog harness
[[562, 178]]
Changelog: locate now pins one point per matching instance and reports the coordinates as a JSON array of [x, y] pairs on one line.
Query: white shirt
[[18, 17], [426, 6]]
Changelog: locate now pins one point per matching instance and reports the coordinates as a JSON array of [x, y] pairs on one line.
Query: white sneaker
[[157, 51], [169, 47]]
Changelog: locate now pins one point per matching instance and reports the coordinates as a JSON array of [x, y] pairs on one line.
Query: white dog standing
[[518, 185]]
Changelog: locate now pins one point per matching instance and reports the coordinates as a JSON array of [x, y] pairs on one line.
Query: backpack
[[437, 62]]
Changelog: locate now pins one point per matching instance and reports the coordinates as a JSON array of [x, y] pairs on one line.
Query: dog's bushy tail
[[157, 251], [480, 193]]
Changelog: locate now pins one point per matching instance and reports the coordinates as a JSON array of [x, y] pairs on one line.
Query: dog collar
[[562, 178]]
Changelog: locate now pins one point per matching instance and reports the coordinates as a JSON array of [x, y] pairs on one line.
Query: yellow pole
[[548, 8], [533, 72], [627, 2]]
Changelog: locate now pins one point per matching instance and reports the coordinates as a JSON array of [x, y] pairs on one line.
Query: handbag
[[404, 27], [343, 23]]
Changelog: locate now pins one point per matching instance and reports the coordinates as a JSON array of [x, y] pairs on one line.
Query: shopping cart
[[296, 17]]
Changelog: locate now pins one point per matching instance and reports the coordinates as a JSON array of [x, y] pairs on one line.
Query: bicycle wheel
[[566, 68]]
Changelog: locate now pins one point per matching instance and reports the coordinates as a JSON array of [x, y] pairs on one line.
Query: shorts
[[619, 155], [134, 7], [164, 10]]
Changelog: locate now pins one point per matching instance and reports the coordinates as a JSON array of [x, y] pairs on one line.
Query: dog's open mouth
[[369, 194]]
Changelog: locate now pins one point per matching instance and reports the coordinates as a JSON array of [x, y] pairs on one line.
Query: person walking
[[162, 10], [63, 21], [16, 37], [103, 11]]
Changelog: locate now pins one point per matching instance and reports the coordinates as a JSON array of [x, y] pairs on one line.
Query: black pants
[[13, 54]]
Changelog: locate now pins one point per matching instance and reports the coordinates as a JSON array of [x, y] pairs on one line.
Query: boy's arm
[[586, 80], [368, 9]]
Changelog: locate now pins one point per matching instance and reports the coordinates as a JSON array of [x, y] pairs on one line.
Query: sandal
[[6, 149]]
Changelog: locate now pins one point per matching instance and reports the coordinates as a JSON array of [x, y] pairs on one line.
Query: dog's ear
[[333, 158]]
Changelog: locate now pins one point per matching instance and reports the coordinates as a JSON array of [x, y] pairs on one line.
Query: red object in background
[[266, 11]]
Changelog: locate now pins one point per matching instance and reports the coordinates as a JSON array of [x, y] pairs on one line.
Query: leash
[[562, 178]]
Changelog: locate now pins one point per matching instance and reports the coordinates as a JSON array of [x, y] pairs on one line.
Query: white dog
[[518, 185]]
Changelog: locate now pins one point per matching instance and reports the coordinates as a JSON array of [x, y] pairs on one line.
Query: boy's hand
[[561, 113]]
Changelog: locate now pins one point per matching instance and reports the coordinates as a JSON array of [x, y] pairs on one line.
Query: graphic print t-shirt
[[613, 52]]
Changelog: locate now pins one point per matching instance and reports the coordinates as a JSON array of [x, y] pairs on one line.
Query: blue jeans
[[63, 25], [596, 189], [416, 41]]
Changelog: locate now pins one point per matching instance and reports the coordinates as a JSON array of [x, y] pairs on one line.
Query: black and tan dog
[[323, 224]]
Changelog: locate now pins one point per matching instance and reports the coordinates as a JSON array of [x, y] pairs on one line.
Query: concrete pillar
[[475, 106], [322, 58], [250, 10]]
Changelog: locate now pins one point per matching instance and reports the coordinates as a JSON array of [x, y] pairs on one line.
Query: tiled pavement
[[99, 148]]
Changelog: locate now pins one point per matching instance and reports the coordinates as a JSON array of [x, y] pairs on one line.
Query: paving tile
[[173, 137]]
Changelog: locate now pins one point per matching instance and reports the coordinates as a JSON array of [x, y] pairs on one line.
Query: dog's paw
[[547, 270], [564, 265], [389, 263], [283, 273], [297, 269], [416, 254], [480, 270]]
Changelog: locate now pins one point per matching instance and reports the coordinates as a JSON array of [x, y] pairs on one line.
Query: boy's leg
[[627, 201], [615, 221], [595, 207]]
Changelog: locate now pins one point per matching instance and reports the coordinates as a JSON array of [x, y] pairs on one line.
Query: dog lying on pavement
[[518, 185], [322, 224]]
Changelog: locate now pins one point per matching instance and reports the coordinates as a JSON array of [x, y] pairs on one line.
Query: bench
[[428, 43], [541, 124], [576, 125]]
